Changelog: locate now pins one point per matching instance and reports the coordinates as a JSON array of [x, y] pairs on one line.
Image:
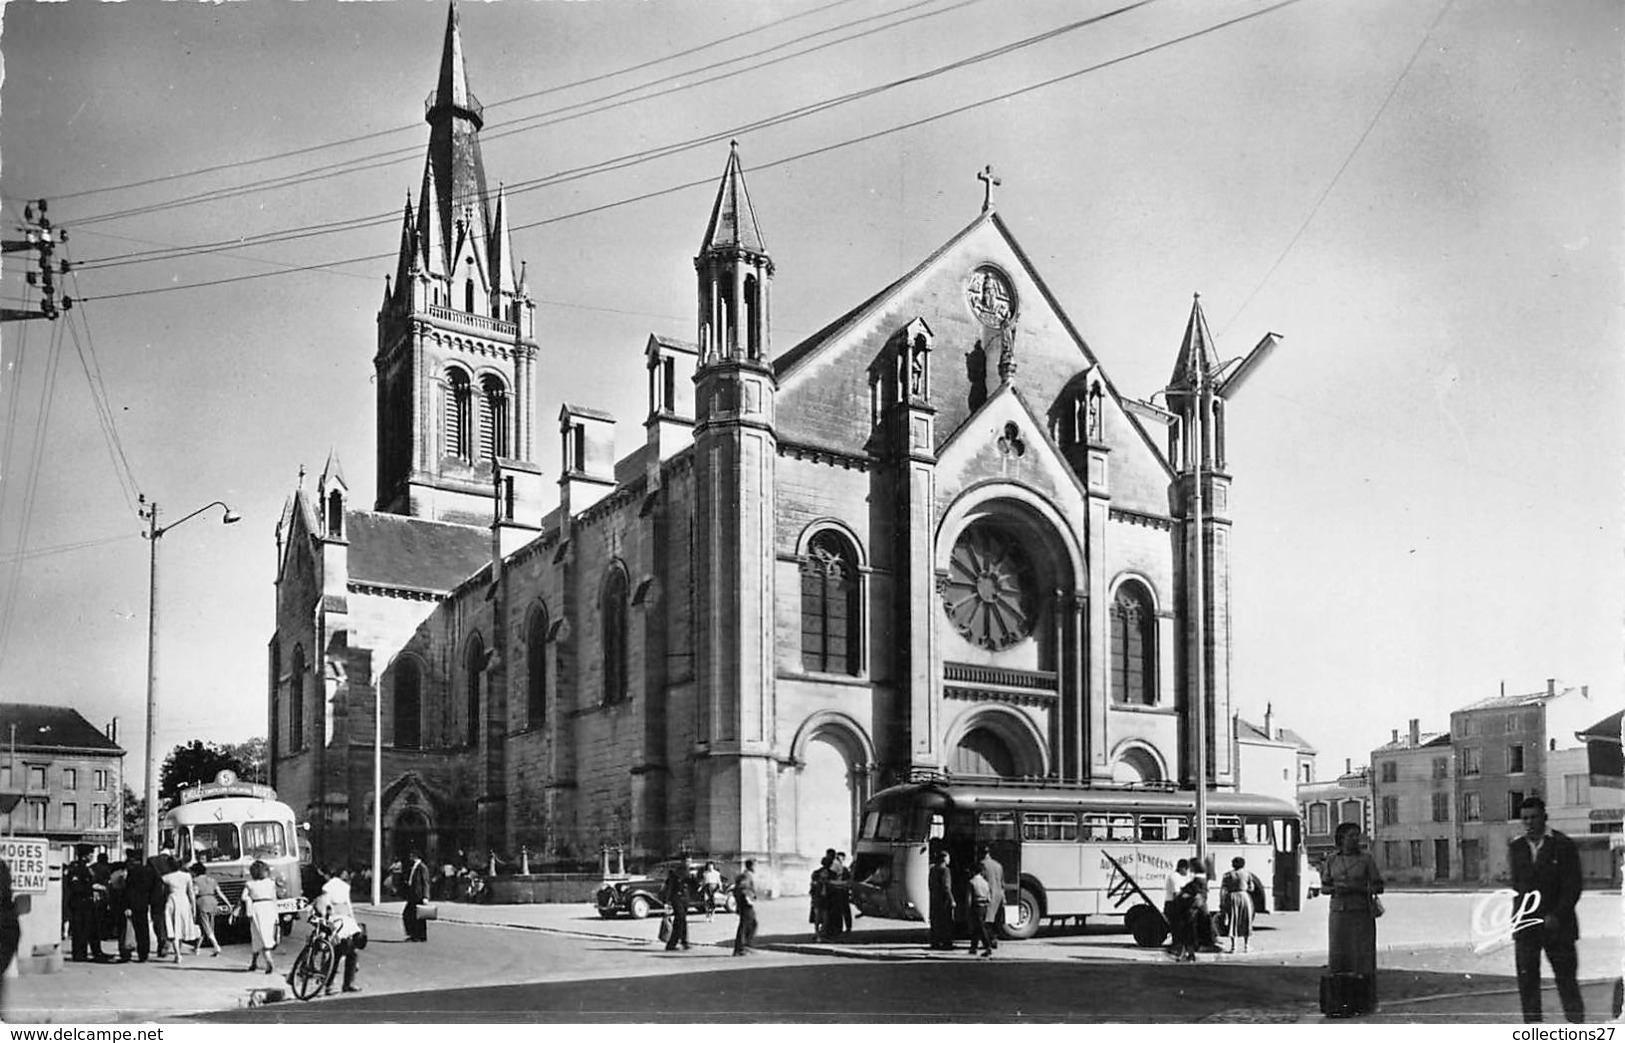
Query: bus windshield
[[265, 840], [216, 842], [897, 822]]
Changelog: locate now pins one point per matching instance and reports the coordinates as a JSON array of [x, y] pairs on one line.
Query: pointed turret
[[433, 249], [501, 251], [407, 260], [733, 220], [1196, 353], [456, 116]]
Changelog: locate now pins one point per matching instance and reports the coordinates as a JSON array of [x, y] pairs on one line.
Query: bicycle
[[316, 963]]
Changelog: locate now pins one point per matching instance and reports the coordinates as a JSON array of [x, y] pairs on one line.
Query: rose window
[[989, 590]]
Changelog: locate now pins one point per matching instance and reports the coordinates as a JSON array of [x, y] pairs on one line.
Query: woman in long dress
[[179, 922], [210, 903], [1237, 887], [259, 906], [1352, 879]]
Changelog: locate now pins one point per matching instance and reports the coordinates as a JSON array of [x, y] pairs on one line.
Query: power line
[[91, 366], [641, 156], [41, 426], [238, 164], [63, 548], [845, 143]]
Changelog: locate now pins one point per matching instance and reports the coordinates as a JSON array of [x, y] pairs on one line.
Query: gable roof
[[1605, 730], [1507, 702], [394, 550], [52, 727]]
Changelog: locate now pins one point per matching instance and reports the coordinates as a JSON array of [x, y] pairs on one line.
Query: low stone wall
[[539, 888]]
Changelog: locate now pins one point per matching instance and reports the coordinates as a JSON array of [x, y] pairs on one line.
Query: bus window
[[1256, 830], [938, 830], [871, 822], [1107, 827], [1049, 825], [1223, 829], [265, 840], [1170, 828], [216, 842], [995, 825]]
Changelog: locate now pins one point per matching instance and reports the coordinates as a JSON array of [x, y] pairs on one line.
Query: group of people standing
[[1190, 921], [983, 901], [679, 892], [830, 897], [151, 908]]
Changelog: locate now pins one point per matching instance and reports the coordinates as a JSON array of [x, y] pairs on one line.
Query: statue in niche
[[916, 374], [976, 374], [1094, 414]]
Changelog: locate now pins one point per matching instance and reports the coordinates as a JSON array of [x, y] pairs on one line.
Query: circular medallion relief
[[989, 594], [991, 299]]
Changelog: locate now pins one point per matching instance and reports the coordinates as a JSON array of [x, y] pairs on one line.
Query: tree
[[133, 808], [195, 762], [252, 755]]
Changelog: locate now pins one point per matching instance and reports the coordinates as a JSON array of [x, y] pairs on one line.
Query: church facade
[[931, 538]]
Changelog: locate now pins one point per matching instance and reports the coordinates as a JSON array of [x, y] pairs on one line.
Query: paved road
[[563, 963]]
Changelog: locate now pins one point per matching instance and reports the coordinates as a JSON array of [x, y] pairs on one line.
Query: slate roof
[[396, 551], [1246, 729], [54, 727], [1506, 702], [1424, 740], [733, 224]]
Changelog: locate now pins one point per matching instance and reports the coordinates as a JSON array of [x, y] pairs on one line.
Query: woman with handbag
[[209, 902], [1352, 879], [258, 905], [1237, 888]]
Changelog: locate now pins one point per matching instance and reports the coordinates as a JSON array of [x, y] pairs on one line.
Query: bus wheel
[[1146, 925], [1027, 915]]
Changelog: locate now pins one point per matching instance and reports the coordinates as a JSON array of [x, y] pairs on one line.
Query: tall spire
[[1196, 352], [455, 117], [733, 220]]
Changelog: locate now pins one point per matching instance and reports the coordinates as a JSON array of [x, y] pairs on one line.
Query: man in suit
[[79, 891], [993, 869], [161, 864], [1545, 862], [745, 906], [417, 893], [140, 886]]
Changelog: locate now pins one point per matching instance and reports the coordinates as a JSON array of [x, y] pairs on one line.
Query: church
[[930, 539]]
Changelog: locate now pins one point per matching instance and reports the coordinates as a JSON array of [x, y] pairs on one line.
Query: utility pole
[[41, 239]]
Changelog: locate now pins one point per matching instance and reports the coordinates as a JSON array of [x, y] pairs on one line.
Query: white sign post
[[36, 880], [26, 857]]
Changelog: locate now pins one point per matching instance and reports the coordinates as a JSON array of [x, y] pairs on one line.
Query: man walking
[[161, 864], [993, 869], [980, 898], [940, 887], [745, 905], [140, 885], [1545, 862], [417, 892], [333, 902]]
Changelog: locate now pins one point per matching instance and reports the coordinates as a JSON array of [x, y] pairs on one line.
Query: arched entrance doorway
[[995, 742], [1136, 765], [981, 752], [827, 799], [411, 833]]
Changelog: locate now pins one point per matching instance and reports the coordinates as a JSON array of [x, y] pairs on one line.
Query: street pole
[[1201, 620], [377, 792], [150, 831]]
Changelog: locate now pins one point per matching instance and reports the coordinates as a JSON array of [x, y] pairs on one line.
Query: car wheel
[[638, 907], [1027, 917]]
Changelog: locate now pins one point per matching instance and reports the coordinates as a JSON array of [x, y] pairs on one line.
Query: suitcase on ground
[[1344, 995]]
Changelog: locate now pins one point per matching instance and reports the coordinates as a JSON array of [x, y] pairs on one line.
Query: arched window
[[296, 702], [471, 679], [408, 706], [493, 419], [753, 317], [829, 606], [468, 295], [459, 440], [335, 515], [536, 669], [612, 612], [1134, 658]]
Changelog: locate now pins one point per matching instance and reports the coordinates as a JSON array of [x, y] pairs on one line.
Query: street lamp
[[150, 513]]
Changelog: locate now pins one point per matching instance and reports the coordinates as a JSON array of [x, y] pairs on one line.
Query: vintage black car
[[638, 896]]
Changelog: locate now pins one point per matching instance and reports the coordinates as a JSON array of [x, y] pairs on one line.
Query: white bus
[[228, 825], [1068, 851]]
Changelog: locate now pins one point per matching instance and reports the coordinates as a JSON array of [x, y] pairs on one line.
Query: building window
[[1390, 811], [408, 705], [296, 702], [1514, 798], [36, 814], [101, 816], [70, 816], [1514, 724], [1390, 771], [101, 780], [1441, 807], [1317, 820], [70, 778], [1470, 760], [472, 672], [1576, 789], [1351, 811], [1390, 853], [36, 776], [1441, 767], [536, 670], [1515, 759], [1416, 853], [612, 613], [493, 419], [5, 776], [1133, 637], [459, 432], [829, 606], [1471, 807]]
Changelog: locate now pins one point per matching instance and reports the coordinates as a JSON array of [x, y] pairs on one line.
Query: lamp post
[[154, 532]]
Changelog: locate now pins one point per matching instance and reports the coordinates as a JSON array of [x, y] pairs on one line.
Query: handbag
[[665, 927], [1376, 906], [428, 911]]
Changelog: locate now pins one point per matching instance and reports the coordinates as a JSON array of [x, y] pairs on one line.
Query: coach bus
[[1069, 852], [228, 825]]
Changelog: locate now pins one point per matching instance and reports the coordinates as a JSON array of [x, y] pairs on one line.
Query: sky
[[1423, 198]]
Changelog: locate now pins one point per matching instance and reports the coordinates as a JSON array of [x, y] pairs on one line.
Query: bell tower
[[456, 330], [735, 452]]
